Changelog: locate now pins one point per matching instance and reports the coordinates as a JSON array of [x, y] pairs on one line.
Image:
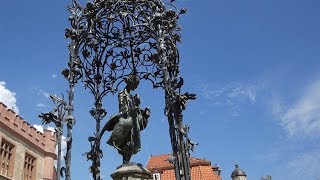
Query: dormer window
[[156, 175]]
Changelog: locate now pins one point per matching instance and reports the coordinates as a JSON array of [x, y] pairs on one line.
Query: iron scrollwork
[[113, 40], [63, 112], [57, 117]]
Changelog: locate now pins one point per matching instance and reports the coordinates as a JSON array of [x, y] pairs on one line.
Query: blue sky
[[254, 65]]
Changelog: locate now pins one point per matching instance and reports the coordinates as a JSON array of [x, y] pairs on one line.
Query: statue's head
[[132, 82]]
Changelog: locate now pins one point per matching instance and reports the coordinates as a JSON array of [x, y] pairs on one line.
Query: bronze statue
[[127, 124]]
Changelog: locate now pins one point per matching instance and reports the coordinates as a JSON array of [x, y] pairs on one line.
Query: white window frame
[[156, 176]]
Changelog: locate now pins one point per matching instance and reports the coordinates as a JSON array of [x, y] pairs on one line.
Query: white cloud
[[8, 97], [54, 76], [302, 119], [230, 96], [277, 107], [207, 92], [38, 127], [304, 166], [63, 142], [63, 145], [229, 93], [41, 128], [41, 92], [63, 148], [243, 91], [41, 105], [51, 129]]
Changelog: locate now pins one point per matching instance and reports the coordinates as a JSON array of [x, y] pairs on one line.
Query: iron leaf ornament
[[112, 40]]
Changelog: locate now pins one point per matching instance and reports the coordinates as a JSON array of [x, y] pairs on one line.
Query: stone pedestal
[[131, 172]]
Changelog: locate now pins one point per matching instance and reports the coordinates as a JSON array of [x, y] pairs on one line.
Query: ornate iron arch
[[113, 39]]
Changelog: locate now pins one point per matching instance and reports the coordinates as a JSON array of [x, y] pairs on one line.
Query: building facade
[[201, 169], [25, 153]]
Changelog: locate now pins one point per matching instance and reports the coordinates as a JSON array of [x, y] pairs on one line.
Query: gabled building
[[25, 153], [201, 169]]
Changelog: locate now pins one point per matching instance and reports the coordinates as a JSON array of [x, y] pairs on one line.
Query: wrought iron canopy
[[116, 38]]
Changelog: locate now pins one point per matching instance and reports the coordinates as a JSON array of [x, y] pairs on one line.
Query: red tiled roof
[[159, 162], [162, 162], [168, 175], [203, 173], [200, 169]]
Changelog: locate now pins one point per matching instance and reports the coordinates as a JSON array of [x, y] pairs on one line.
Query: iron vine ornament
[[116, 41], [56, 116], [63, 113]]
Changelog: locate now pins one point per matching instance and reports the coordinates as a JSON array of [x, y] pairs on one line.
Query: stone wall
[[27, 139], [21, 148]]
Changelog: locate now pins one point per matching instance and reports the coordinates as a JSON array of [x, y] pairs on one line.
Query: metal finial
[[236, 164]]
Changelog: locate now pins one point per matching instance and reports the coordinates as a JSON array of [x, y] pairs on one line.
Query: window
[[29, 171], [6, 158], [156, 176]]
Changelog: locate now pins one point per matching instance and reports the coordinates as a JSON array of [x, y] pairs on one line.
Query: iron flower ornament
[[112, 40]]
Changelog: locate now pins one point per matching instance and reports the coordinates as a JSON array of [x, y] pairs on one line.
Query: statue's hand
[[147, 112]]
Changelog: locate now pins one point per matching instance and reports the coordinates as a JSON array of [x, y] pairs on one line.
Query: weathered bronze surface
[[127, 124]]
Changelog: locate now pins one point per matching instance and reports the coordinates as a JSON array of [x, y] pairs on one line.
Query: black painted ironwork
[[72, 75], [63, 113], [56, 116], [112, 40]]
